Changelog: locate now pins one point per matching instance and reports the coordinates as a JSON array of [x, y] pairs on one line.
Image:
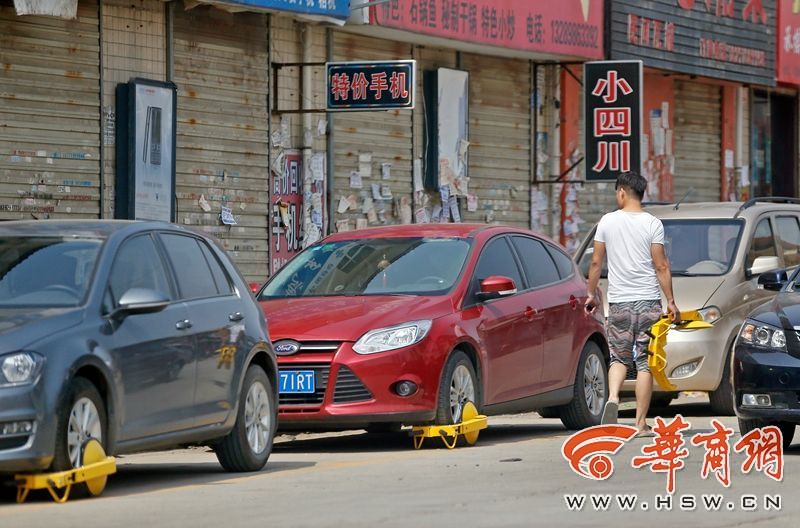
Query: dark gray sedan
[[141, 335]]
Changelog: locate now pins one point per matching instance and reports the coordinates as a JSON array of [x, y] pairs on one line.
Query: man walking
[[637, 265]]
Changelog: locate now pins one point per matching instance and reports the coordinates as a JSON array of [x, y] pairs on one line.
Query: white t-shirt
[[628, 237]]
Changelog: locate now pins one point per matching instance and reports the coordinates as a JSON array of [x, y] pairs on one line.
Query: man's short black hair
[[633, 183]]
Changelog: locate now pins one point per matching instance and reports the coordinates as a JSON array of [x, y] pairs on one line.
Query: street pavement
[[514, 476]]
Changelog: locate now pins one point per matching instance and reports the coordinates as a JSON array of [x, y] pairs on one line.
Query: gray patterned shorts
[[627, 327]]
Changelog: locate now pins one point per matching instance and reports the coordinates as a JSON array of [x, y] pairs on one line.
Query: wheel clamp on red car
[[95, 471], [657, 356], [469, 426]]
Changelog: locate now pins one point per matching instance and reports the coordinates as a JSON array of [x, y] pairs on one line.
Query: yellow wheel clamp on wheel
[[470, 427], [94, 472], [657, 356]]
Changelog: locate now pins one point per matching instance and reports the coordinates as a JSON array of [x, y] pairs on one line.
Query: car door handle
[[235, 317], [183, 325], [573, 302], [530, 313]]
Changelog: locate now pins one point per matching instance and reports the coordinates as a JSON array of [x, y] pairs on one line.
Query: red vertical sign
[[789, 42], [287, 211]]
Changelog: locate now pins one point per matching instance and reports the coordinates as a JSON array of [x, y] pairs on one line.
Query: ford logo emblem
[[286, 348]]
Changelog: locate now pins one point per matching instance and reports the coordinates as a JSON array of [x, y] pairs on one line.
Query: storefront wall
[[50, 115]]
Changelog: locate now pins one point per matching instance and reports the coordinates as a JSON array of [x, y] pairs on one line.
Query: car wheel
[[249, 444], [82, 416], [787, 429], [590, 390], [459, 385], [722, 399]]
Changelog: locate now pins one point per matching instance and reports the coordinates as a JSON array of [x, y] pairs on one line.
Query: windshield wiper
[[683, 273]]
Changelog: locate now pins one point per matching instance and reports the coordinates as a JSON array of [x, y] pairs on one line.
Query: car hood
[[20, 327], [346, 318], [692, 293], [782, 311]]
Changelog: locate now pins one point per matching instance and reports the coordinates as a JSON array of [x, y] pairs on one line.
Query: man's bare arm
[[664, 275], [594, 274]]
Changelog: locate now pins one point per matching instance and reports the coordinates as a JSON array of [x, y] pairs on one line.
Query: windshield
[[46, 271], [375, 266], [694, 247]]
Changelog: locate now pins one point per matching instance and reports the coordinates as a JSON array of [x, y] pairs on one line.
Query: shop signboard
[[732, 40], [613, 102], [569, 27]]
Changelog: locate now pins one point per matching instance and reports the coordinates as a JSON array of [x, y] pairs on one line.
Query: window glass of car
[[763, 244], [789, 237], [372, 266], [563, 262], [536, 261], [701, 246], [195, 279], [138, 265], [497, 259], [46, 271], [220, 277]]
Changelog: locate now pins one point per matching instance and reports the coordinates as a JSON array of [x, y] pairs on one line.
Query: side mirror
[[140, 301], [254, 287], [763, 265], [773, 280], [496, 286]]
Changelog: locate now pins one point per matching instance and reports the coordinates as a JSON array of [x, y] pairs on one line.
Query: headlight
[[384, 339], [20, 368], [764, 336], [710, 314]]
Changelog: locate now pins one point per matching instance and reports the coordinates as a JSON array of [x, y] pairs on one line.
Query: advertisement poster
[[370, 85], [153, 155]]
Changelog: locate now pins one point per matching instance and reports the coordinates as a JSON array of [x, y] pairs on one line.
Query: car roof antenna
[[679, 202]]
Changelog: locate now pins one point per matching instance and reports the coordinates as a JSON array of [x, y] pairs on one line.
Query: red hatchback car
[[404, 324]]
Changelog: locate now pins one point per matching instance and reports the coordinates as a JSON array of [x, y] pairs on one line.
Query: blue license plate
[[297, 381]]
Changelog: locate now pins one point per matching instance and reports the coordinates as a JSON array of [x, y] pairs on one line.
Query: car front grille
[[631, 375], [310, 347], [349, 388], [321, 373]]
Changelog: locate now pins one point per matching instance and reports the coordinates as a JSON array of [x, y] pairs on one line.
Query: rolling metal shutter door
[[386, 135], [697, 141], [499, 135], [49, 114], [222, 76]]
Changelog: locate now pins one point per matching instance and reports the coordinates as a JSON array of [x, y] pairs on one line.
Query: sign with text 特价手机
[[370, 85]]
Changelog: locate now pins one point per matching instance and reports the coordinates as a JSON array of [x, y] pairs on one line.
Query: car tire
[[787, 428], [585, 409], [81, 416], [722, 399], [248, 445], [457, 378]]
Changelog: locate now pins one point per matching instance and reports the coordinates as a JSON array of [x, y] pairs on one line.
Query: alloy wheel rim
[[594, 385], [84, 423], [462, 390], [257, 418]]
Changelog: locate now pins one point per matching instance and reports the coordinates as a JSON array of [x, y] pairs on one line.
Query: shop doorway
[[773, 145]]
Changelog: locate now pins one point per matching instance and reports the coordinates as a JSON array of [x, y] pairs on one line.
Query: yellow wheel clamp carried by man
[[657, 356]]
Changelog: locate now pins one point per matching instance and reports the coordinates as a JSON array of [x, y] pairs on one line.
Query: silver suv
[[717, 250]]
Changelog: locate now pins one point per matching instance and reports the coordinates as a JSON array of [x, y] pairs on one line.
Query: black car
[[140, 334], [766, 360]]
